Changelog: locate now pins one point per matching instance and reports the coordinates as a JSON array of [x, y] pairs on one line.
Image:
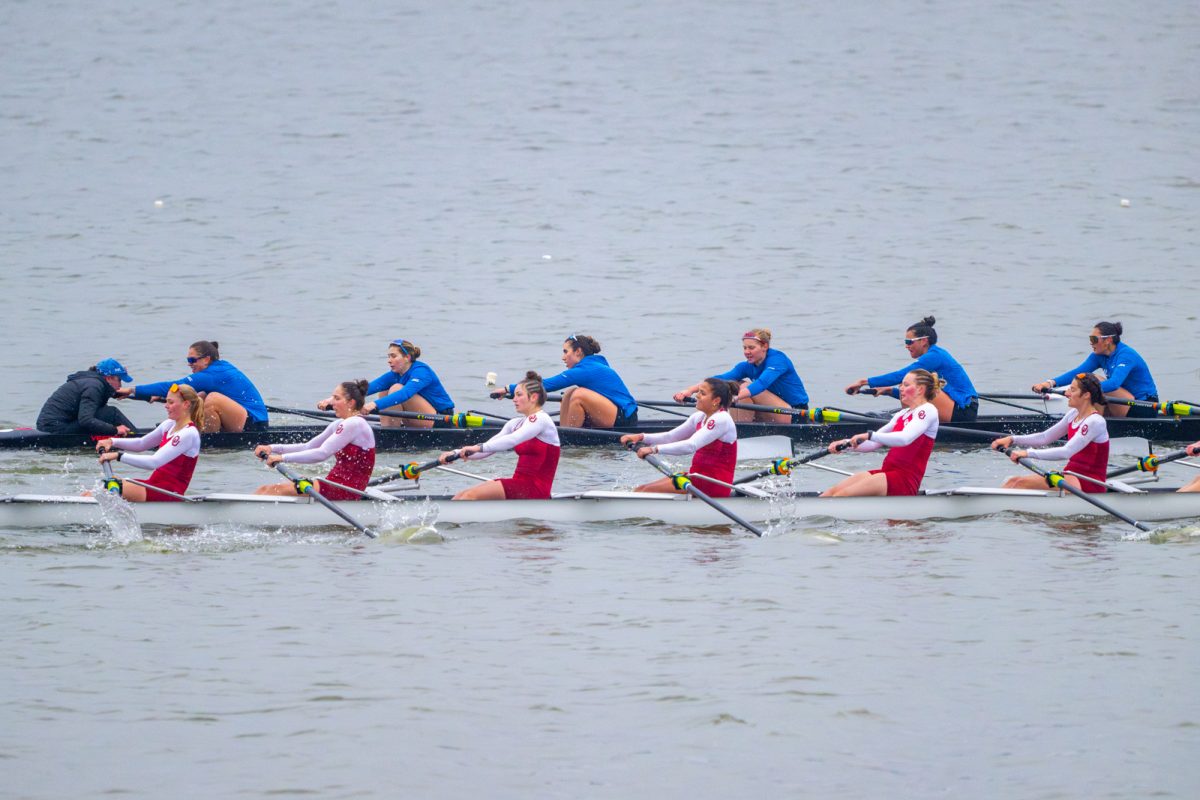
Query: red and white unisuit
[[910, 435], [713, 440], [173, 462], [1085, 452], [352, 444], [535, 441]]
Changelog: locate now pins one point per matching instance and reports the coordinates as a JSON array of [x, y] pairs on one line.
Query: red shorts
[[900, 484], [711, 489], [334, 493], [521, 489], [158, 497]]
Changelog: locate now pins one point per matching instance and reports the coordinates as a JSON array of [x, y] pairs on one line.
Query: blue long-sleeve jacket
[[775, 373], [1124, 369], [220, 376], [958, 386], [594, 373], [419, 379]]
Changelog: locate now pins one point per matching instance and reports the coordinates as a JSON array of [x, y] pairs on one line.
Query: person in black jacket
[[81, 404]]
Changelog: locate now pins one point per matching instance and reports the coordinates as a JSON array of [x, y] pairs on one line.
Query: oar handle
[[1149, 463], [827, 415], [784, 466], [112, 484], [411, 471], [1171, 408]]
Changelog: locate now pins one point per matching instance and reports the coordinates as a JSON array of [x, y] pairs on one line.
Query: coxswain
[[1126, 376], [595, 395], [231, 401], [1086, 450], [909, 435], [710, 434], [81, 404], [1192, 450], [767, 376], [178, 441], [532, 436], [957, 402], [349, 439], [408, 385]]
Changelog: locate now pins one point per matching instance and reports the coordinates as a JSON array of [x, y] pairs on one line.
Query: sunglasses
[[400, 344], [914, 340], [174, 388], [193, 359], [1095, 339]]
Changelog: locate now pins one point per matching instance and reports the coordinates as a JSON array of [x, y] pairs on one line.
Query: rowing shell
[[51, 511], [1157, 429]]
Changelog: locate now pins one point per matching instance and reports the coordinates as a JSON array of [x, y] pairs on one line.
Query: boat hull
[[1160, 429], [51, 511]]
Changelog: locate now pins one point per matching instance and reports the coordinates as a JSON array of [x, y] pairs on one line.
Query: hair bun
[[530, 375], [362, 385], [930, 321]]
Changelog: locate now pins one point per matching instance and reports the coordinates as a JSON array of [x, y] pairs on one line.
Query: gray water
[[485, 180]]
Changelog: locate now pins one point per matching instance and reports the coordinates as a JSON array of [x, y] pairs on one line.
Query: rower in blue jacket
[[1126, 375], [408, 385], [957, 402], [595, 395], [231, 401], [767, 377]]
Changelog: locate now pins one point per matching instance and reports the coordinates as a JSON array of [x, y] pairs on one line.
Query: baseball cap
[[110, 366]]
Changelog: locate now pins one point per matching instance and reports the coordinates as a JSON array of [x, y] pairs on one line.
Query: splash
[[1164, 534], [411, 523], [119, 517]]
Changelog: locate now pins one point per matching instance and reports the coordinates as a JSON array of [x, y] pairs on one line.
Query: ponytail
[[206, 349], [356, 392], [195, 402], [532, 382], [925, 328], [1089, 384], [724, 391], [587, 344], [929, 381]]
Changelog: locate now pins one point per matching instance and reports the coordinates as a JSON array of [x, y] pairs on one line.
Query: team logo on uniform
[[338, 429], [533, 417], [1083, 430], [712, 423], [175, 442], [921, 414]]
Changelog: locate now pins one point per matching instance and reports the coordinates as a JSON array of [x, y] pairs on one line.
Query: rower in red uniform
[[178, 441], [349, 439], [1086, 450], [710, 433], [533, 436], [909, 434]]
